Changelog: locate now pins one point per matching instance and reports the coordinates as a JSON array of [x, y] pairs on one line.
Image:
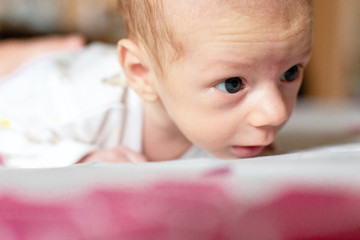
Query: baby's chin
[[269, 150]]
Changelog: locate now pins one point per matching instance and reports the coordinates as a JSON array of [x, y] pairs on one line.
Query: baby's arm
[[15, 52]]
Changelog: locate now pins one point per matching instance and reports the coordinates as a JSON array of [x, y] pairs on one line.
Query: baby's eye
[[231, 85], [291, 74]]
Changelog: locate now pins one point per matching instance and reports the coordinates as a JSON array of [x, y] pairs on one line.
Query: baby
[[211, 77]]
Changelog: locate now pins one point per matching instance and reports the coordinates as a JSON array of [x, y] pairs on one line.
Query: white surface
[[317, 124], [252, 178]]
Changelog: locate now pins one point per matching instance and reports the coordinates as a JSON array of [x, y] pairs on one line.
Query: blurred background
[[96, 19], [333, 73]]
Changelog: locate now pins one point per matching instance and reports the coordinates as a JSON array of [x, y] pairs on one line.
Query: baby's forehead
[[260, 16], [258, 8]]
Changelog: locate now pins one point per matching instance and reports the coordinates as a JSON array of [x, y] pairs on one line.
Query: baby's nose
[[269, 110]]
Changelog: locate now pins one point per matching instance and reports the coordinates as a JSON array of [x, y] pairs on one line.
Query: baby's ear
[[135, 64]]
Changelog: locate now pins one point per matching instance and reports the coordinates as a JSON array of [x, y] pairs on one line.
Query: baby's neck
[[162, 140]]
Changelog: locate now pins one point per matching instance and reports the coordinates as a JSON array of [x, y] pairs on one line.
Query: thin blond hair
[[146, 24]]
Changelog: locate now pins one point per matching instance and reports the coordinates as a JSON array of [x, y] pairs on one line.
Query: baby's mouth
[[246, 151]]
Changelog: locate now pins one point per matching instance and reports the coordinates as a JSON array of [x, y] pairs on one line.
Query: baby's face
[[237, 83]]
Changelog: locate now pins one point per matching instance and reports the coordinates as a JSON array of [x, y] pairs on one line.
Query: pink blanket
[[193, 210]]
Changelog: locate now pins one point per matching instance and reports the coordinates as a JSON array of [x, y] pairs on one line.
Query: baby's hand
[[16, 52], [116, 154]]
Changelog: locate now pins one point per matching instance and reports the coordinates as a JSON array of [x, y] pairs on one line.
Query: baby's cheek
[[213, 133]]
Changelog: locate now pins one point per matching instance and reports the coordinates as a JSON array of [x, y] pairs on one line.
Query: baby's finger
[[130, 155]]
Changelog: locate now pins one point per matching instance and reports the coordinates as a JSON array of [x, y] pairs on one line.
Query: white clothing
[[58, 108]]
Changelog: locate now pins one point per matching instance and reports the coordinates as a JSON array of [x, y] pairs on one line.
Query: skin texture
[[221, 40], [237, 39]]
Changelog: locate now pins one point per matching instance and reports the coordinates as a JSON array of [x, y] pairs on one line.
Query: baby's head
[[223, 74]]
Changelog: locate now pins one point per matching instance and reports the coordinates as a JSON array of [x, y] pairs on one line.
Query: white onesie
[[58, 108]]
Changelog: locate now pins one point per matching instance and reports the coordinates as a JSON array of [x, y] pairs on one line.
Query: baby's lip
[[247, 151]]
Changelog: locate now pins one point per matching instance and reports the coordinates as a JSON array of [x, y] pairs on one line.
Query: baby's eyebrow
[[228, 64]]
